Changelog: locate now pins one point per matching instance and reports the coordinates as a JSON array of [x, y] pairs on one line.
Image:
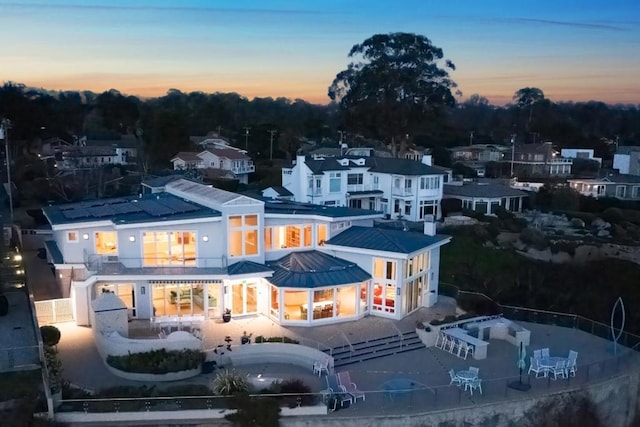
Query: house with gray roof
[[189, 249], [217, 157], [619, 186], [399, 188], [485, 197]]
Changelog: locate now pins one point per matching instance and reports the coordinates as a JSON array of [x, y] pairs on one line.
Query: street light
[[5, 125], [513, 149]]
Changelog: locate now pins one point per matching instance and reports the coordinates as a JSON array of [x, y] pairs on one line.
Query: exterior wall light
[[85, 236], [132, 238], [205, 238]]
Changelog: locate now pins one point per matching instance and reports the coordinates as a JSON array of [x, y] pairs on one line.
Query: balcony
[[402, 192], [358, 188], [239, 170], [314, 192], [174, 266]]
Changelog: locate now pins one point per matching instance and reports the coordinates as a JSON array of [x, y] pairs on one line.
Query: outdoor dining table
[[466, 376], [550, 362]]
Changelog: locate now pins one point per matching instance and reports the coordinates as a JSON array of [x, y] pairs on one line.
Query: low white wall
[[295, 354], [171, 376], [114, 344]]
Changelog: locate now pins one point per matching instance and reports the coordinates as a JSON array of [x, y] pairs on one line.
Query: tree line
[[398, 89]]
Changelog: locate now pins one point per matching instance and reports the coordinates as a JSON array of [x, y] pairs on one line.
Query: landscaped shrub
[[229, 382], [254, 411], [533, 237], [50, 335], [54, 368], [297, 389], [260, 339], [612, 215], [157, 361]]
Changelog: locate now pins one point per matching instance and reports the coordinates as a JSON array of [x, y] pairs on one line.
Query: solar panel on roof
[[125, 208], [101, 211], [153, 208], [178, 206], [76, 213]]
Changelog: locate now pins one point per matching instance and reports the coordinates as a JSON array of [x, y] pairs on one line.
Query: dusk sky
[[576, 50]]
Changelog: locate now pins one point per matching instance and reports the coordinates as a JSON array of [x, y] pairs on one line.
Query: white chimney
[[429, 225], [427, 160]]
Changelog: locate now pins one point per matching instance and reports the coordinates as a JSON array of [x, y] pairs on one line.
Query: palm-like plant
[[230, 382]]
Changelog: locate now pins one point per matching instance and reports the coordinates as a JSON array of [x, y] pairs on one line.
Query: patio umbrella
[[522, 364]]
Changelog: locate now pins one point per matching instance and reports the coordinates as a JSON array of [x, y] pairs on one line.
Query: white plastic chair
[[455, 380], [537, 354], [475, 371], [465, 348], [559, 370], [473, 384], [545, 353], [441, 340], [321, 366], [572, 363], [536, 368]]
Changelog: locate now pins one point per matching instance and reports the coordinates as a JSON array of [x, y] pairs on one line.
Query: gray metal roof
[[384, 240], [247, 267], [476, 190], [314, 269], [288, 207], [388, 165], [54, 251]]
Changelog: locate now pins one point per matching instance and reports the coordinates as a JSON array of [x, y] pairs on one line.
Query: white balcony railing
[[243, 169], [362, 187], [315, 192], [402, 192]]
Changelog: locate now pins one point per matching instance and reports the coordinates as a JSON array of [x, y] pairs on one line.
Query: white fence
[[54, 311]]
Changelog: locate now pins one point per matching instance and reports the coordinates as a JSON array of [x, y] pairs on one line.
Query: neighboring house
[[580, 153], [88, 154], [620, 186], [485, 197], [397, 187], [218, 157], [537, 160], [627, 160], [196, 250], [277, 192], [479, 153]]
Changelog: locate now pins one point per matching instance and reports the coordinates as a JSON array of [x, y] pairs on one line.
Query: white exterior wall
[[621, 162]]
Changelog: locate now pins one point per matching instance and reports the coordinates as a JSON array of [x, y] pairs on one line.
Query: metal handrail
[[399, 334], [351, 350]]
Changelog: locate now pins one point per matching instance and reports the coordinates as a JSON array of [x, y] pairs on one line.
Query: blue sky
[[572, 50]]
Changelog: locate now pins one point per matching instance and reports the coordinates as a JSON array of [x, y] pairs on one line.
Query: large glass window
[[322, 303], [322, 233], [354, 179], [289, 236], [106, 242], [169, 248], [274, 301], [334, 182], [124, 291], [346, 297], [296, 305], [385, 285], [243, 235]]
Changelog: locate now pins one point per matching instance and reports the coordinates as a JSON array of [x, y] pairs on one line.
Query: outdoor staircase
[[374, 348]]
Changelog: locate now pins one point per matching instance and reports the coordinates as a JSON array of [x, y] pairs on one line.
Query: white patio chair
[[465, 349], [441, 339], [545, 353], [455, 380], [572, 366], [447, 342], [345, 380], [321, 366], [475, 371], [537, 354], [559, 370], [473, 384], [453, 347], [536, 368]]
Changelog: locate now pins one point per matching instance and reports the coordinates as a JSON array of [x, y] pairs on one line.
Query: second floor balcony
[[154, 265], [358, 188], [242, 169], [402, 191]]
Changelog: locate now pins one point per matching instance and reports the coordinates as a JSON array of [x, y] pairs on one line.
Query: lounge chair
[[345, 380]]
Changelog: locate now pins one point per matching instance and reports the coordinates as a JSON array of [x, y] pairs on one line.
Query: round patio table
[[550, 362], [398, 386]]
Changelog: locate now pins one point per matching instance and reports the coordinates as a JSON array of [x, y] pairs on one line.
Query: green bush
[[533, 237], [157, 361], [296, 387], [50, 335], [228, 382], [612, 215]]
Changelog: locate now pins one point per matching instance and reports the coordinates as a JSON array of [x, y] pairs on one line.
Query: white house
[[627, 160], [579, 153], [217, 157], [195, 250], [396, 187]]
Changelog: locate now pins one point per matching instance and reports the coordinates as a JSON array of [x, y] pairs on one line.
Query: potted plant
[[246, 338], [226, 316]]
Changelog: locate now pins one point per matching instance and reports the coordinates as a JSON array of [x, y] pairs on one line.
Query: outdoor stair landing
[[374, 348]]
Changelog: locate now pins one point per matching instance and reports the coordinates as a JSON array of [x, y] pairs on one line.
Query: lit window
[[106, 243], [243, 235], [72, 236]]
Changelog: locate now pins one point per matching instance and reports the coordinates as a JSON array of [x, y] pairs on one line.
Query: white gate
[[54, 311]]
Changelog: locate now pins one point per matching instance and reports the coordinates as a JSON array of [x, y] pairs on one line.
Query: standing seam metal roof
[[384, 240]]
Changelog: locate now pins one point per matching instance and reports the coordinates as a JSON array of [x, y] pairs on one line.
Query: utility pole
[[5, 124], [246, 138], [271, 132], [513, 151], [471, 138], [341, 133]]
